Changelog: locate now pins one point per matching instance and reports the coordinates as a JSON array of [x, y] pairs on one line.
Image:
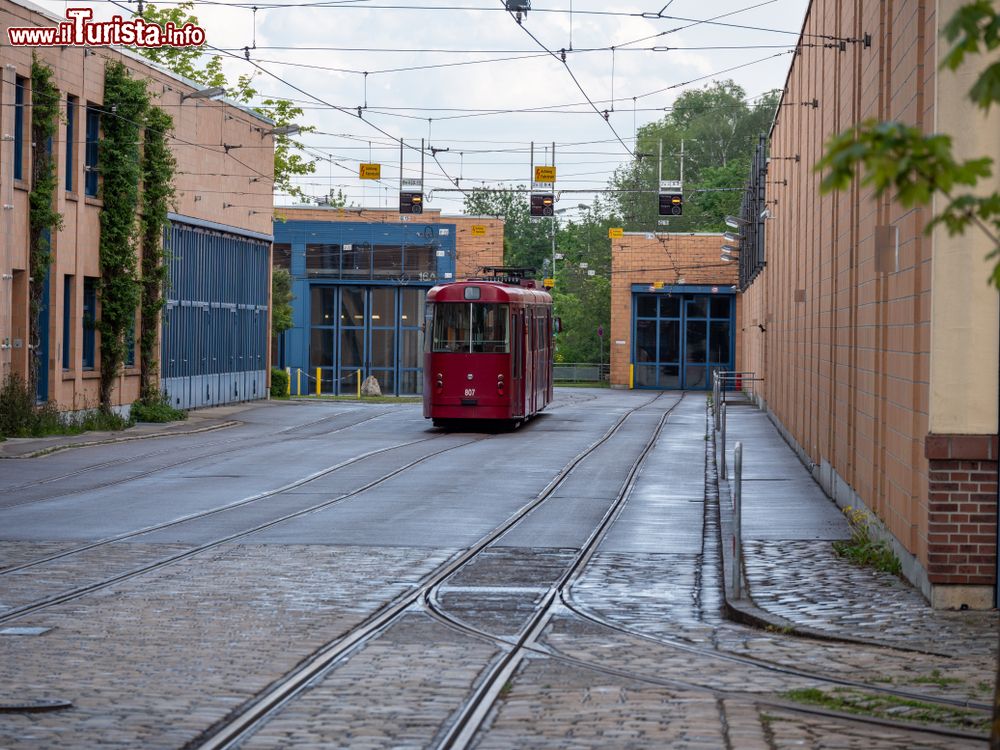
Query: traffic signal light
[[671, 204], [411, 203], [542, 204]]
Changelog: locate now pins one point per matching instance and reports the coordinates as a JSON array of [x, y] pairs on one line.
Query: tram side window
[[489, 329]]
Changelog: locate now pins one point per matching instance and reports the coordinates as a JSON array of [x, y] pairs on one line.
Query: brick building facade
[[662, 291], [222, 208], [879, 344]]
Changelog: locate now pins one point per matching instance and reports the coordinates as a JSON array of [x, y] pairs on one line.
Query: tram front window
[[461, 327]]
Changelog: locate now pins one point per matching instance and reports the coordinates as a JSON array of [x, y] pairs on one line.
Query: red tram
[[488, 350]]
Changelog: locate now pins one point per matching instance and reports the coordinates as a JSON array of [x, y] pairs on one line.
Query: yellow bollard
[[288, 390], [319, 381], [359, 385], [631, 376], [298, 381]]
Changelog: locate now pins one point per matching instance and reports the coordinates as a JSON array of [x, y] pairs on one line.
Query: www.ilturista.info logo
[[81, 31]]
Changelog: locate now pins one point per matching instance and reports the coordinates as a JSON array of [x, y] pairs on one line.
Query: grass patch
[[935, 678], [891, 707], [863, 548]]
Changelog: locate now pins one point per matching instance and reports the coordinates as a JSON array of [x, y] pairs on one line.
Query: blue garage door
[[678, 340], [215, 323]]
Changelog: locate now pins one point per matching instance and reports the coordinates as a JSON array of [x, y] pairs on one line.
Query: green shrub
[[864, 548], [21, 417], [158, 410], [279, 383], [17, 407]]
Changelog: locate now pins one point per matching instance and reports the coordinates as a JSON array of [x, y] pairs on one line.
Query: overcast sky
[[462, 74]]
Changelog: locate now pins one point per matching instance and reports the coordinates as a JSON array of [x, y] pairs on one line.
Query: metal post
[[288, 388], [298, 381], [722, 442], [738, 520], [359, 385], [715, 399], [319, 381], [553, 215]]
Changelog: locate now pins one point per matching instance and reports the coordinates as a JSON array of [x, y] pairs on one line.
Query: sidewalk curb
[[744, 610], [48, 451]]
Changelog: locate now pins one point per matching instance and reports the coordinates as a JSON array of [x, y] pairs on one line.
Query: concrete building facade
[[675, 311], [359, 280], [877, 340], [222, 214]]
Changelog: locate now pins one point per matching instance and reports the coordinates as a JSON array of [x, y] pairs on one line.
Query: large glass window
[[282, 256], [321, 260], [89, 321], [71, 102], [461, 327], [92, 172], [67, 334], [20, 95]]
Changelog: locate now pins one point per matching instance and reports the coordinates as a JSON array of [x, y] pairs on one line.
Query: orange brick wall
[[847, 369], [234, 189], [646, 258]]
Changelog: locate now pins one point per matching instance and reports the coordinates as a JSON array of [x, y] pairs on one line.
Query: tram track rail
[[241, 444], [245, 720], [80, 591], [463, 729]]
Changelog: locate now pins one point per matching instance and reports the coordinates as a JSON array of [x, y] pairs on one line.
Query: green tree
[[526, 241], [717, 126], [190, 62], [125, 106], [281, 301]]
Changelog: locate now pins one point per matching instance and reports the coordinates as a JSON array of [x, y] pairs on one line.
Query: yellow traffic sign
[[370, 172], [615, 232], [545, 174], [478, 230], [548, 283], [657, 285]]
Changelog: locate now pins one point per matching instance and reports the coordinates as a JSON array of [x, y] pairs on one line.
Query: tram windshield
[[475, 328]]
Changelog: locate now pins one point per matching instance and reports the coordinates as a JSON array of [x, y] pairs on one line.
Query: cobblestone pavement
[[807, 583], [152, 662]]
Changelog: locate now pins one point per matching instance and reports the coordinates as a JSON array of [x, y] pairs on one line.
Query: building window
[[93, 135], [130, 345], [71, 105], [67, 332], [282, 256], [89, 321], [20, 91]]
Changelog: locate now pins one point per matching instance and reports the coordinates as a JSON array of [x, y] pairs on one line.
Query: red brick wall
[[962, 505]]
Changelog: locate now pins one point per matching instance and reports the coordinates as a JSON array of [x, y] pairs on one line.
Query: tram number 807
[[470, 391]]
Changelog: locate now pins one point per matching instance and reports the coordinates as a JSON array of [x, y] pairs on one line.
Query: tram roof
[[489, 291]]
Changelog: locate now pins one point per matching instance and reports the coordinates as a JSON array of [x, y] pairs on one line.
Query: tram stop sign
[[600, 331]]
